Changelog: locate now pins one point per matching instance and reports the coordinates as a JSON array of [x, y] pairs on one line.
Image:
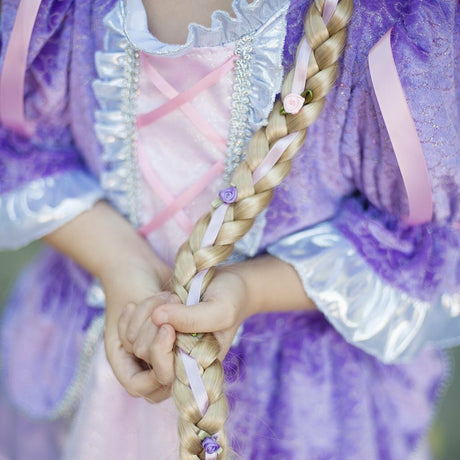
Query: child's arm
[[106, 245], [238, 291]]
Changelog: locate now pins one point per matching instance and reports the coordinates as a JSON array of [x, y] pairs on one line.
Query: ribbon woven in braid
[[212, 237]]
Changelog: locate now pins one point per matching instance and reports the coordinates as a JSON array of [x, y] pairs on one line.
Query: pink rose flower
[[293, 103]]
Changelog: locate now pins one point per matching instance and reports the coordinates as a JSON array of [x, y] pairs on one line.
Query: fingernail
[[163, 332], [130, 307], [161, 317], [166, 296]]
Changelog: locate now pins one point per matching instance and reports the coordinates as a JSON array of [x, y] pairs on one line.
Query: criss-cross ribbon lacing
[[182, 101]]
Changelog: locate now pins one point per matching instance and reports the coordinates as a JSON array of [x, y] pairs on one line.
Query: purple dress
[[357, 379]]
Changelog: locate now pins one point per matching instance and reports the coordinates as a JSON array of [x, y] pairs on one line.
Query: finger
[[131, 373], [123, 322], [145, 340], [162, 356], [142, 384], [159, 395], [142, 312], [203, 317]]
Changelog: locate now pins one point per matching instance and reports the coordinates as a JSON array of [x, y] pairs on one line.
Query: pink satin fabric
[[193, 115], [183, 101], [186, 96], [14, 69], [163, 192]]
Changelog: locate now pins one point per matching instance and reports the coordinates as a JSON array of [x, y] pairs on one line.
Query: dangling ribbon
[[402, 131], [12, 79]]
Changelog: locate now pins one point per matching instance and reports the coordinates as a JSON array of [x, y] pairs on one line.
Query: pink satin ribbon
[[182, 199], [402, 131], [186, 96], [303, 55], [12, 79], [160, 189], [193, 115], [195, 381], [272, 156]]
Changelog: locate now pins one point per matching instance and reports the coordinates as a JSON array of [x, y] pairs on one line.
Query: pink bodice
[[182, 120]]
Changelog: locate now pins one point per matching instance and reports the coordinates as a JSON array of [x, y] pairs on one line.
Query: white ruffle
[[43, 205], [369, 313], [115, 91], [249, 18]]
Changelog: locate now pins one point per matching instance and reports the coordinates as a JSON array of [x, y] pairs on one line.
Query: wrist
[[271, 285], [249, 295]]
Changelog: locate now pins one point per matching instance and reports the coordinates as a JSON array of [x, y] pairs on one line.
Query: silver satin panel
[[366, 310], [115, 91], [43, 205]]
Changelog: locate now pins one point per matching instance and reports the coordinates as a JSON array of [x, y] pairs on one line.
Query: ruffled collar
[[249, 17]]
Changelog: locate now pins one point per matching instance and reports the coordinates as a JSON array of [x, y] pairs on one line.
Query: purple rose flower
[[210, 445], [228, 195]]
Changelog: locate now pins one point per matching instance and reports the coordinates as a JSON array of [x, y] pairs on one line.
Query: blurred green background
[[445, 432]]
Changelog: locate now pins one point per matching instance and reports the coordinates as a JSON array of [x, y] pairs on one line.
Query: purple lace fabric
[[298, 390]]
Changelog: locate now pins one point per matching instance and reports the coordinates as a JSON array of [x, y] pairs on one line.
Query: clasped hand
[[142, 354]]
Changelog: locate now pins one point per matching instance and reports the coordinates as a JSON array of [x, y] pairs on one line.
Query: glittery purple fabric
[[347, 163], [58, 92], [298, 390], [336, 401]]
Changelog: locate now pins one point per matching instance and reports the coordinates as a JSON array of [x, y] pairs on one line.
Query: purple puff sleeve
[[43, 180], [389, 288]]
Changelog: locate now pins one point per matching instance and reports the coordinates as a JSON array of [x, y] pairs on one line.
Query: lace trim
[[369, 313]]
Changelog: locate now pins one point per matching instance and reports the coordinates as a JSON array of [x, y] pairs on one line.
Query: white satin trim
[[249, 17], [43, 205], [115, 92], [369, 313]]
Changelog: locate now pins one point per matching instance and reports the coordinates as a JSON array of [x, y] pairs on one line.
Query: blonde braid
[[327, 43]]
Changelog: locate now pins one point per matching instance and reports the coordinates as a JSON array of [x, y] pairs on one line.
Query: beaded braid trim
[[128, 108], [71, 398], [239, 133]]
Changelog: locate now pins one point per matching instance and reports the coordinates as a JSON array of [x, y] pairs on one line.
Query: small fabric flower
[[292, 103], [228, 195], [210, 445]]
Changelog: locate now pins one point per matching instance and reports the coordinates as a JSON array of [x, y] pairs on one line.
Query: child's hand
[[152, 346], [129, 285], [262, 284], [224, 307]]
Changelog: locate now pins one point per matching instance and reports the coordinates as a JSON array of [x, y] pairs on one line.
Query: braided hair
[[327, 41]]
